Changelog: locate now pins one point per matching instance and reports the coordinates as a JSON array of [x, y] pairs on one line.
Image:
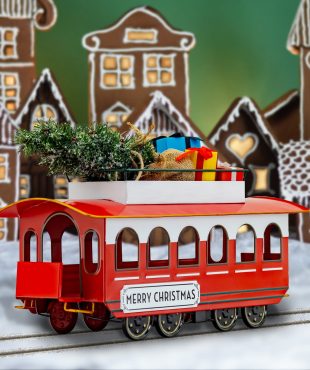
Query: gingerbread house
[[18, 21], [44, 102], [138, 72], [9, 172]]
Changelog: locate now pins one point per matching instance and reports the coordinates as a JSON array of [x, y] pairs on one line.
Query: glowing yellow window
[[158, 70], [117, 71], [3, 167]]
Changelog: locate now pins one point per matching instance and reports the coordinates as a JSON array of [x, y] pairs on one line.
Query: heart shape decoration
[[242, 146]]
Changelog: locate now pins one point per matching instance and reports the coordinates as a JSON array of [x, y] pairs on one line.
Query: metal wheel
[[137, 327], [99, 319], [255, 316], [170, 324], [62, 321], [225, 319]]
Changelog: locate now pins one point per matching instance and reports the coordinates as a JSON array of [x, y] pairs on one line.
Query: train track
[[46, 342]]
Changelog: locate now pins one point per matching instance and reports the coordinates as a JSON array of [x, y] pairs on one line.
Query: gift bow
[[206, 153]]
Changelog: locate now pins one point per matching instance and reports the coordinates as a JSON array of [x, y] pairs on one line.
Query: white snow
[[287, 347]]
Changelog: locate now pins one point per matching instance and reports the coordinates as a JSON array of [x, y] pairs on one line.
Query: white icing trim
[[301, 105], [17, 64], [253, 167], [185, 43], [157, 276], [5, 164], [186, 86], [189, 274], [158, 69], [217, 272], [235, 114], [160, 99], [140, 29], [279, 106], [299, 27], [41, 11], [45, 75], [126, 278], [7, 126], [8, 9], [241, 138], [4, 43], [273, 269], [91, 61], [117, 71]]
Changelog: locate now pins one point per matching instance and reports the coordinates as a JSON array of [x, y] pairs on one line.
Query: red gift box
[[229, 175]]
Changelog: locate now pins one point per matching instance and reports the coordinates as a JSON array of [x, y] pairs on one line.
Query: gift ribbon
[[206, 153]]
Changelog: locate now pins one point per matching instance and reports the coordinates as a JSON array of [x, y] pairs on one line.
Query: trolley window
[[30, 247], [272, 243], [158, 248], [127, 249], [217, 245], [47, 247], [91, 251], [245, 244], [188, 247]]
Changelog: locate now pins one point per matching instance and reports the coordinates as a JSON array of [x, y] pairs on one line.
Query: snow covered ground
[[286, 347]]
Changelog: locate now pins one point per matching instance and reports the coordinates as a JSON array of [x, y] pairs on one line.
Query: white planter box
[[160, 192]]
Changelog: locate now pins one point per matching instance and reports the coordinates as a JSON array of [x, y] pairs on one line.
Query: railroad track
[[46, 342]]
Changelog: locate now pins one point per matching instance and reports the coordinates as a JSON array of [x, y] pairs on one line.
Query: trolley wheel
[[254, 317], [62, 321], [137, 327], [170, 324], [99, 319], [224, 319]]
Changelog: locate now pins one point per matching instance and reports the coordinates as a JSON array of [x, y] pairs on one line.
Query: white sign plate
[[163, 296]]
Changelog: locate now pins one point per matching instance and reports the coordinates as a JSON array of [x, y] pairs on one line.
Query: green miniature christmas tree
[[89, 153]]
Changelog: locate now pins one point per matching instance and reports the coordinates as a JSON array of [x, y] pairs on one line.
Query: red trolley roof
[[110, 209]]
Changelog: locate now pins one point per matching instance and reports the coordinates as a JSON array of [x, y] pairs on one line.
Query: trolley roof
[[110, 209]]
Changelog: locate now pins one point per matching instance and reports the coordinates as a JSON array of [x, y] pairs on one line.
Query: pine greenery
[[84, 152]]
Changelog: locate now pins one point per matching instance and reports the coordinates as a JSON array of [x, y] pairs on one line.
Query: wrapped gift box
[[229, 175], [203, 159], [176, 141]]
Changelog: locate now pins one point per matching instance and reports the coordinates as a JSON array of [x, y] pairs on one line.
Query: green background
[[240, 50]]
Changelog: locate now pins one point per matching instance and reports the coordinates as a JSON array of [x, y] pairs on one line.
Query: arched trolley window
[[30, 246], [217, 245], [245, 244], [127, 249], [92, 252], [188, 247], [272, 243], [158, 248]]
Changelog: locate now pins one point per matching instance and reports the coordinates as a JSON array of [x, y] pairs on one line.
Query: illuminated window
[[127, 249], [158, 70], [91, 248], [245, 244], [116, 115], [272, 243], [188, 247], [4, 168], [43, 112], [9, 91], [60, 187], [24, 186], [158, 248], [117, 72], [8, 45], [141, 35], [217, 245], [261, 179]]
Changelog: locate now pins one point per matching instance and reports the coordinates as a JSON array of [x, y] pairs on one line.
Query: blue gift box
[[176, 141]]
